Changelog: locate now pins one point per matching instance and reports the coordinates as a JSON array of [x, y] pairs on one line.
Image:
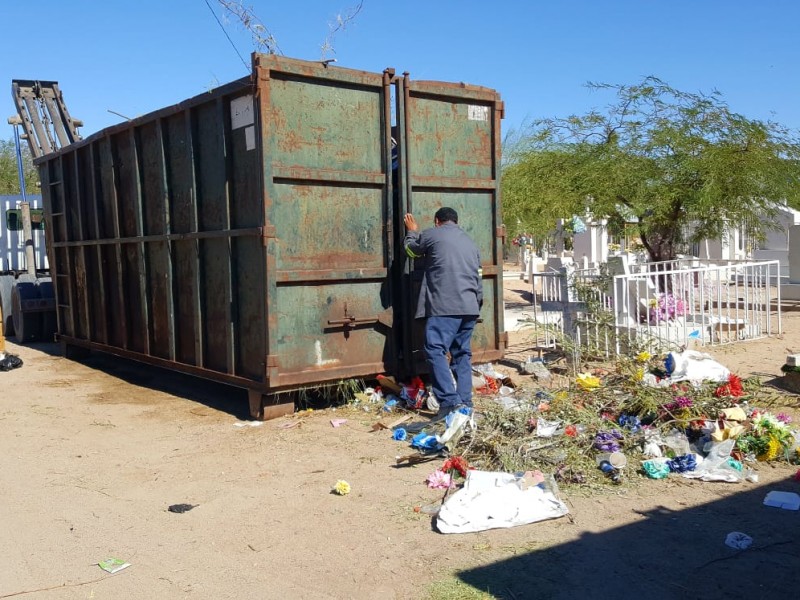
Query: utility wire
[[221, 26]]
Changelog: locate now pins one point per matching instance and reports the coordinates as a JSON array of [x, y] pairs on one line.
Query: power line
[[221, 26]]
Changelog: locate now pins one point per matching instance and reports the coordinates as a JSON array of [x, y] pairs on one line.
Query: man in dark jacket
[[450, 298]]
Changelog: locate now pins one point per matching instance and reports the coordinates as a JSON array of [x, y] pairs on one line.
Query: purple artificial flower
[[783, 418]]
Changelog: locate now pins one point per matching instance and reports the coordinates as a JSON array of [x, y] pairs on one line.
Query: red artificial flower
[[732, 388], [456, 463], [571, 430]]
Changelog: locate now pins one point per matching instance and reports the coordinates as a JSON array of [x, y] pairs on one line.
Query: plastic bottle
[[607, 468]]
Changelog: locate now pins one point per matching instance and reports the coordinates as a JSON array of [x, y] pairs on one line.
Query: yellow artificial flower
[[639, 375], [587, 382], [643, 357], [342, 488], [773, 450]]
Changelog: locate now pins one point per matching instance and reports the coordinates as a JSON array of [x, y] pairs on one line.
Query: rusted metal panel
[[451, 139], [328, 191], [248, 235]]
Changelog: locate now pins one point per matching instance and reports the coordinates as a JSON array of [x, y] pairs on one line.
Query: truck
[[252, 235]]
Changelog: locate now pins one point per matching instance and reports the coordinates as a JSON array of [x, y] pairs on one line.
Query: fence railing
[[658, 306]]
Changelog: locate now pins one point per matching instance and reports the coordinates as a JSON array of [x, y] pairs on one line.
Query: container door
[[450, 156], [327, 171]]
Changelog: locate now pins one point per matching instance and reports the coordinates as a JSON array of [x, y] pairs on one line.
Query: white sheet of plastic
[[492, 500], [697, 367], [715, 466]]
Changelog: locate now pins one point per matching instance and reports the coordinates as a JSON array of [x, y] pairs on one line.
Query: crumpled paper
[[738, 540]]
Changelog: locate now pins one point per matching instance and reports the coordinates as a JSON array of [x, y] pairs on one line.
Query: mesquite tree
[[682, 165]]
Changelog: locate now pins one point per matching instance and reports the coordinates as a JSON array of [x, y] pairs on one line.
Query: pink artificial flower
[[439, 480]]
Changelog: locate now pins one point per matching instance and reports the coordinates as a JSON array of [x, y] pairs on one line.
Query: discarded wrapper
[[113, 565]]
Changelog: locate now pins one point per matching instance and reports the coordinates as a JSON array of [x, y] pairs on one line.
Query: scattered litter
[[399, 434], [288, 424], [341, 488], [457, 424], [248, 424], [785, 500], [738, 540], [338, 422], [113, 565], [388, 383], [695, 367], [491, 500], [656, 468], [9, 362], [682, 464], [536, 368], [413, 459], [439, 480], [390, 404], [546, 428], [718, 465], [425, 441], [181, 508], [429, 509]]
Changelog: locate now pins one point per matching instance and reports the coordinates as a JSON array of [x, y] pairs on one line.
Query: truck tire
[[27, 326], [6, 283], [49, 322]]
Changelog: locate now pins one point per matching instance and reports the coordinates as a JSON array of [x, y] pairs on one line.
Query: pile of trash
[[680, 415]]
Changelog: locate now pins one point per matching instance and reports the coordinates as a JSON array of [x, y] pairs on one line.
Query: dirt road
[[95, 453]]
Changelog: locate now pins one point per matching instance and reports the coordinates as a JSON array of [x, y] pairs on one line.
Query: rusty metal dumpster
[[250, 235]]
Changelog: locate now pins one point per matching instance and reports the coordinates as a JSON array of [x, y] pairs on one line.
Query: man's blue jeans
[[453, 335]]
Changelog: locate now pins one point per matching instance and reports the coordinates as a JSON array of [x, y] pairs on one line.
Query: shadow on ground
[[667, 554], [221, 397]]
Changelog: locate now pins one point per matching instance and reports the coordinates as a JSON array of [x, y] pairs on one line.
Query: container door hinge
[[500, 107]]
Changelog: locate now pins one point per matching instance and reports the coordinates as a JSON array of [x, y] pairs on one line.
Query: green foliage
[[9, 180], [683, 165]]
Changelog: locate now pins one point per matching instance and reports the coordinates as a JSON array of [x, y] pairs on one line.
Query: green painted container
[[252, 235]]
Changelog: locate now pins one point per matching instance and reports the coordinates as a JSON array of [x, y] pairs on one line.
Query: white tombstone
[[791, 290], [591, 246]]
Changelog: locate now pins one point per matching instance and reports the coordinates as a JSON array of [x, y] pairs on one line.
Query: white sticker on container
[[242, 112], [478, 113], [250, 138]]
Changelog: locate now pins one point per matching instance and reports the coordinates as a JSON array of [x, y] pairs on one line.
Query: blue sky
[[141, 55]]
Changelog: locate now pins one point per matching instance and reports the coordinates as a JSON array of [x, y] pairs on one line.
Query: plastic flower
[[732, 388], [638, 375], [439, 480], [571, 431], [342, 488], [783, 418], [678, 403], [587, 381], [772, 452], [456, 463], [606, 441], [643, 357]]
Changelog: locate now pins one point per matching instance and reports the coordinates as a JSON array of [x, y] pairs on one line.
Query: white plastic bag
[[491, 500], [696, 367]]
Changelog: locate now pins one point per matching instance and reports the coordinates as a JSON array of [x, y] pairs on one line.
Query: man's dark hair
[[445, 214]]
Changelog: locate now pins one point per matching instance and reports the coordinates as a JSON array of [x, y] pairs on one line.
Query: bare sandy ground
[[95, 452]]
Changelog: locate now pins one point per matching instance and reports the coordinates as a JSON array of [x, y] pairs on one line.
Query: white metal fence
[[12, 242], [658, 306]]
